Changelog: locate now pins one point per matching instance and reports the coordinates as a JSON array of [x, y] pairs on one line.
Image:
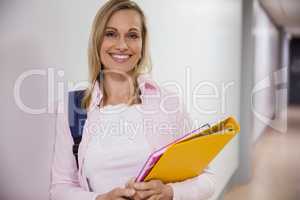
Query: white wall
[[30, 39], [196, 44], [266, 62]]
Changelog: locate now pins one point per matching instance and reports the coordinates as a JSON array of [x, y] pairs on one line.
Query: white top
[[118, 148]]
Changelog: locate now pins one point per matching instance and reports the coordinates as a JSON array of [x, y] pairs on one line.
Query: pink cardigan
[[159, 107]]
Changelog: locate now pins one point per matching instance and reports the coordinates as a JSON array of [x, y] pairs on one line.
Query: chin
[[121, 69]]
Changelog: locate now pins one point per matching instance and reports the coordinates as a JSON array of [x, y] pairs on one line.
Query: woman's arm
[[201, 187], [64, 176]]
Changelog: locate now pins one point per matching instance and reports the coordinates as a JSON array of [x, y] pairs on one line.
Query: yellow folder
[[188, 157]]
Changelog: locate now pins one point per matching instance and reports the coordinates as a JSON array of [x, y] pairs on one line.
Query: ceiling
[[285, 13]]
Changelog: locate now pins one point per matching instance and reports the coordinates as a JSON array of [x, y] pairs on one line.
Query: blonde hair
[[96, 37]]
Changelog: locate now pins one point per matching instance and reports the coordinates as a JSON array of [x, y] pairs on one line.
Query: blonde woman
[[128, 117]]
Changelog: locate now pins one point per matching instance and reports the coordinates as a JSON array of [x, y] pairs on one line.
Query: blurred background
[[225, 57]]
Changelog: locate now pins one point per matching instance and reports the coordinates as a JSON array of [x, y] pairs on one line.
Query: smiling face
[[122, 44]]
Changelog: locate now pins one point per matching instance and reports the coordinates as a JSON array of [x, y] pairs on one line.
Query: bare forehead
[[125, 20]]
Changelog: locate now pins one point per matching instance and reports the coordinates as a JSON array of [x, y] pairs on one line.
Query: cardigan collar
[[145, 84]]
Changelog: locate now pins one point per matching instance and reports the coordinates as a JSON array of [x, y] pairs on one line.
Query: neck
[[118, 88]]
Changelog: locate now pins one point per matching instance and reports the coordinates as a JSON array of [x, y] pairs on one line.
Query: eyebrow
[[131, 29], [134, 29], [111, 28]]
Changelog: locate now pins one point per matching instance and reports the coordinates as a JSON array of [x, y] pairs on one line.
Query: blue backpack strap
[[77, 117]]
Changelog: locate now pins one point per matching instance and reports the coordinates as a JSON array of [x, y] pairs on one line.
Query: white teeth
[[118, 56]]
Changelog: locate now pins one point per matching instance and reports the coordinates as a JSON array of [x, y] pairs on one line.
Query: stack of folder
[[189, 155]]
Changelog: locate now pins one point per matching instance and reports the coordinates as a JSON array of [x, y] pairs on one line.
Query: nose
[[121, 44]]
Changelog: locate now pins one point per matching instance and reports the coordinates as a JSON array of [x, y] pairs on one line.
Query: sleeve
[[201, 187], [64, 174], [198, 188]]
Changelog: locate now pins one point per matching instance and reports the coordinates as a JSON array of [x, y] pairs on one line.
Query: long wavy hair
[[96, 37]]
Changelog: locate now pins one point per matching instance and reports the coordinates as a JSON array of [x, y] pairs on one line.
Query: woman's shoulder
[[169, 100], [149, 85]]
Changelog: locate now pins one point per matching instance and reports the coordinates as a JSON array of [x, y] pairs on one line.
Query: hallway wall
[[196, 50], [266, 62]]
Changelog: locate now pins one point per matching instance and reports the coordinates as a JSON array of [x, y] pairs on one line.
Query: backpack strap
[[77, 117]]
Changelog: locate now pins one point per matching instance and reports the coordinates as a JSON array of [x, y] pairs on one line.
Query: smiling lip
[[120, 58]]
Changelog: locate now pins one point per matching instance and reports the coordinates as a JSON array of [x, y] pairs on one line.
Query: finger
[[155, 197], [124, 192], [142, 186], [130, 183], [131, 180], [129, 186], [146, 185], [160, 196], [135, 197], [145, 194], [123, 198]]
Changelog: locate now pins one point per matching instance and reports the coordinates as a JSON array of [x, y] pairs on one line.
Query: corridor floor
[[276, 165]]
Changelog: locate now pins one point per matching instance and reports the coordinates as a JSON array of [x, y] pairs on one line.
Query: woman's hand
[[118, 194], [151, 190]]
